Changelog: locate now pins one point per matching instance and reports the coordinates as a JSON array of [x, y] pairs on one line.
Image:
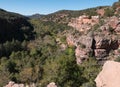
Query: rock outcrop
[[100, 46], [83, 23], [111, 24], [13, 84], [86, 40], [102, 42], [82, 54], [100, 53], [109, 76], [52, 84]]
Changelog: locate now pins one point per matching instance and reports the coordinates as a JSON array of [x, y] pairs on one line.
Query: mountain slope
[[64, 16], [14, 26]]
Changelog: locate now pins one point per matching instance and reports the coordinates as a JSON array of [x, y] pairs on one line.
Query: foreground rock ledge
[[109, 76]]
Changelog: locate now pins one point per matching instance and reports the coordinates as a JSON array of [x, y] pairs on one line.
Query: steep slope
[[14, 26]]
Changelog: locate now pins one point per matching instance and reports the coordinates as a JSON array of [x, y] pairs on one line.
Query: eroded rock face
[[87, 41], [82, 54], [83, 23], [71, 40], [102, 42], [113, 21], [100, 54], [52, 84], [109, 76]]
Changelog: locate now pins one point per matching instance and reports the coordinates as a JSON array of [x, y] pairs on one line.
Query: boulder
[[102, 42], [82, 54], [18, 85], [13, 84], [109, 76], [52, 84], [105, 27], [10, 84], [63, 46], [71, 40], [100, 53], [113, 21], [117, 30], [87, 41]]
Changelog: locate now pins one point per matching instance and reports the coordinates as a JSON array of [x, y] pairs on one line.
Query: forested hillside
[[14, 26]]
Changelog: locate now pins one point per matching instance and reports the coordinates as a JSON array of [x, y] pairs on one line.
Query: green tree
[[63, 70], [90, 70], [109, 12]]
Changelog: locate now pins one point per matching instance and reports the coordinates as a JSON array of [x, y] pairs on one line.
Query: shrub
[[109, 12]]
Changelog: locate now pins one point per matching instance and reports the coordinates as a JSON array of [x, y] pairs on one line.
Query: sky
[[29, 7]]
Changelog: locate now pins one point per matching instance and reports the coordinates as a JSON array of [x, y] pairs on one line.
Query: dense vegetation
[[41, 60], [14, 26], [35, 50]]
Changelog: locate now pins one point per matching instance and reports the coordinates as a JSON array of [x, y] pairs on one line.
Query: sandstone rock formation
[[102, 42], [111, 23], [82, 54], [13, 84], [83, 44], [52, 84], [71, 40], [83, 23], [109, 76], [118, 29], [86, 40], [100, 53]]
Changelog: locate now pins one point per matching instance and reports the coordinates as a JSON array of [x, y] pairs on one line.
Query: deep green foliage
[[48, 28], [109, 12], [8, 47], [14, 26], [117, 59], [63, 70]]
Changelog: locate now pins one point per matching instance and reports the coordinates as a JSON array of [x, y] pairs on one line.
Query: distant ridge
[[35, 16]]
